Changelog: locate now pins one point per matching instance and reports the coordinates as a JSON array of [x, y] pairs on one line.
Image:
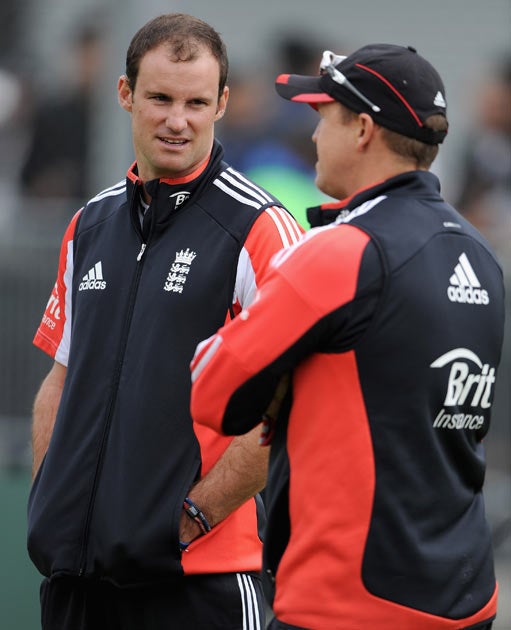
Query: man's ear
[[366, 130], [124, 93], [222, 104]]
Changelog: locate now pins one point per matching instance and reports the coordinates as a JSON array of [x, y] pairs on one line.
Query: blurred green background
[[19, 592]]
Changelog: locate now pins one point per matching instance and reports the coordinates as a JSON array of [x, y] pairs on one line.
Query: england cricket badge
[[179, 270]]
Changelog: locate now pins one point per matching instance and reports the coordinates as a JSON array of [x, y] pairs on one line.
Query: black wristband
[[195, 513]]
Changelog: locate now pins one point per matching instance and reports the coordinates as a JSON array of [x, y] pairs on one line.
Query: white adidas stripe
[[62, 352], [116, 189], [240, 184], [237, 196], [245, 188], [464, 274], [249, 604], [362, 209], [459, 278], [289, 235], [200, 365], [469, 271], [260, 191], [94, 273], [98, 268], [288, 230], [289, 222]]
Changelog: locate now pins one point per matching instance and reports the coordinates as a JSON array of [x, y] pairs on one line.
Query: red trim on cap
[[400, 96], [304, 97], [315, 97]]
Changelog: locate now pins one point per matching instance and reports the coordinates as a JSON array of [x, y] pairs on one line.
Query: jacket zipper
[[141, 252], [111, 406]]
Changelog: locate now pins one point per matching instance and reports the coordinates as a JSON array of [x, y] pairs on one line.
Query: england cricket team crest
[[179, 270]]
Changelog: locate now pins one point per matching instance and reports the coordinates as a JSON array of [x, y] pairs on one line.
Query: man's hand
[[235, 478]]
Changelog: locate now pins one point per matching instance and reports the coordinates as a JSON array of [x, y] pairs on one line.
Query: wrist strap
[[195, 513], [267, 430]]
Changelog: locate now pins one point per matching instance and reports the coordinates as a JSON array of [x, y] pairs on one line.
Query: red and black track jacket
[[126, 314], [391, 323]]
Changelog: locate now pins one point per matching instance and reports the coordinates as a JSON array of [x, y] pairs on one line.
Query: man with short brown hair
[[137, 518]]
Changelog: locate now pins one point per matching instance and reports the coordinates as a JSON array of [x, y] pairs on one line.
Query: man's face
[[335, 138], [173, 110]]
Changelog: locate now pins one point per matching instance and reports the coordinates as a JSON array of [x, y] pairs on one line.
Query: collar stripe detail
[[396, 92]]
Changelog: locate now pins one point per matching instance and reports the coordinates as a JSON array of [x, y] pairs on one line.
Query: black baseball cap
[[398, 87]]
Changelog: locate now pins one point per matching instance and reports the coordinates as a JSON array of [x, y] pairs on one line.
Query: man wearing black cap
[[388, 325]]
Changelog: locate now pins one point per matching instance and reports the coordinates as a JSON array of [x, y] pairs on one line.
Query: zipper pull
[[141, 252]]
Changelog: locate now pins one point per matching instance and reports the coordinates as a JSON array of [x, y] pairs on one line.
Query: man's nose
[[176, 118]]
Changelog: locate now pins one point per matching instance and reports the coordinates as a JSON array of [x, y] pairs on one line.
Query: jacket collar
[[417, 183], [169, 196]]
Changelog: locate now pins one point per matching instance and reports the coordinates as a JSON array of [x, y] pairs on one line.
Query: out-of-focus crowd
[[46, 134], [49, 138]]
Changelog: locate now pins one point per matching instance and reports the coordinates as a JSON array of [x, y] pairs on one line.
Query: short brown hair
[[184, 35], [422, 154], [410, 149]]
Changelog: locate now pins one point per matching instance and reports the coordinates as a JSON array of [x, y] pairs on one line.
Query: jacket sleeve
[[53, 334], [234, 373]]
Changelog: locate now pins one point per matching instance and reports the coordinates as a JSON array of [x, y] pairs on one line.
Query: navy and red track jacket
[[126, 314], [391, 323]]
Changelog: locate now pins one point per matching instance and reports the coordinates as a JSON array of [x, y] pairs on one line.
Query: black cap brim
[[301, 89]]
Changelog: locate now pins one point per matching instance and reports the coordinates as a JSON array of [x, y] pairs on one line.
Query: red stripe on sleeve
[[51, 329]]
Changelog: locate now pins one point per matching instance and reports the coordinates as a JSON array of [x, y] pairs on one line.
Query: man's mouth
[[173, 142]]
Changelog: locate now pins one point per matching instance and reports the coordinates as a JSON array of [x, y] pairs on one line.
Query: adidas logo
[[465, 287], [439, 100], [93, 279]]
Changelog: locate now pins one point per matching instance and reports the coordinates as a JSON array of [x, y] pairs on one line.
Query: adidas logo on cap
[[465, 287], [93, 279], [439, 100]]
